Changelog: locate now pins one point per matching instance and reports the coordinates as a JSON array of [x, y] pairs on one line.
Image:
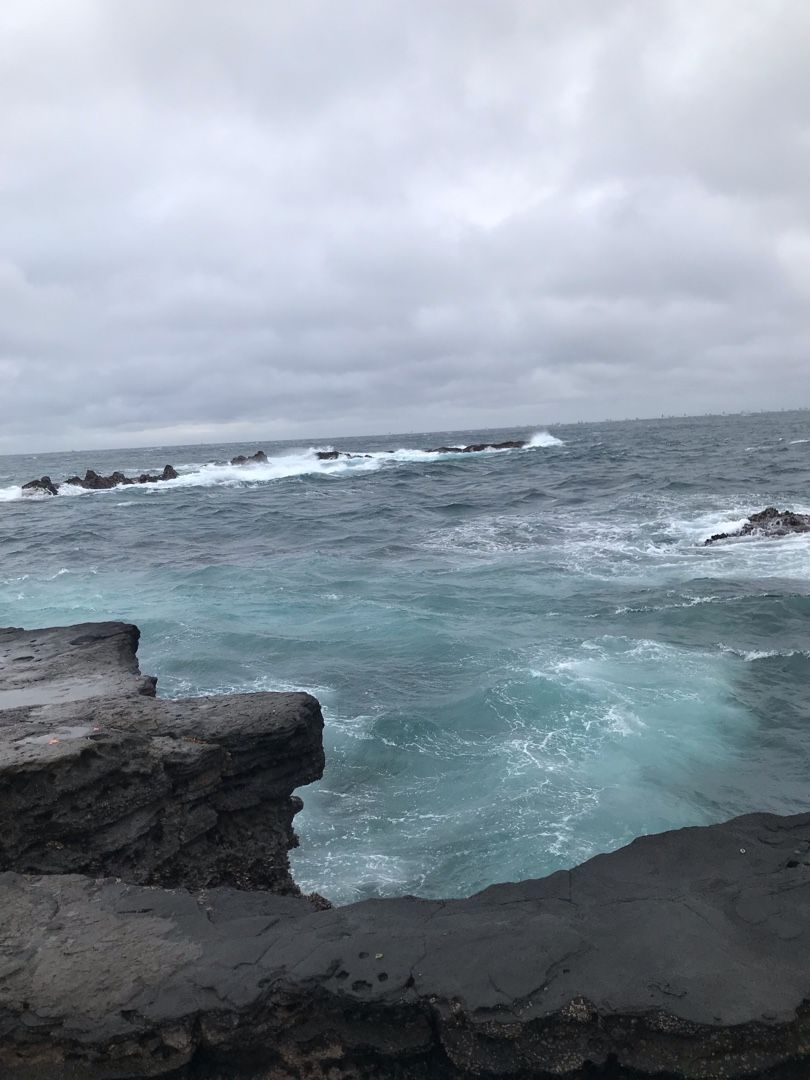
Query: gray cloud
[[271, 220]]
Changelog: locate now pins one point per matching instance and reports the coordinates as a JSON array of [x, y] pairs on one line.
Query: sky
[[265, 220]]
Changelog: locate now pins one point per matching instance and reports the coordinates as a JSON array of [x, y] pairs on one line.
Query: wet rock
[[769, 522], [241, 459], [44, 485], [327, 455], [94, 481], [476, 448], [99, 777], [682, 955]]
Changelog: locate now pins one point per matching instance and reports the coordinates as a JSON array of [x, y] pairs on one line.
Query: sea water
[[524, 657]]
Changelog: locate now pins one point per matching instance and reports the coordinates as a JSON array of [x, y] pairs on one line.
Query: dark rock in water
[[44, 484], [99, 777], [475, 448], [95, 482], [333, 455], [685, 955], [242, 459], [769, 522], [512, 444]]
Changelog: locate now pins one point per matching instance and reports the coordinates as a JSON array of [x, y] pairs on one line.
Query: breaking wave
[[299, 463]]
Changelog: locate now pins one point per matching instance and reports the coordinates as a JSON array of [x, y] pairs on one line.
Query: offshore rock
[[684, 955], [96, 482], [476, 448], [44, 484], [241, 459], [99, 777], [769, 522]]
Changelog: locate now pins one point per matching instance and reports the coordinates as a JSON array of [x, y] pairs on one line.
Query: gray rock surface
[[684, 954], [97, 776], [768, 523]]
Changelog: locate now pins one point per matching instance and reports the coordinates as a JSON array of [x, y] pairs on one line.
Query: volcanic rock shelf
[[100, 777], [685, 954]]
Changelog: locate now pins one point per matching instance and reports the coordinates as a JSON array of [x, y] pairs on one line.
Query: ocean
[[524, 657]]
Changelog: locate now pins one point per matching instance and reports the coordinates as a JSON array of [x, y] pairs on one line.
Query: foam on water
[[524, 657], [544, 438], [300, 463]]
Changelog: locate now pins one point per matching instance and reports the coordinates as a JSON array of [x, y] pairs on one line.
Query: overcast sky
[[270, 219]]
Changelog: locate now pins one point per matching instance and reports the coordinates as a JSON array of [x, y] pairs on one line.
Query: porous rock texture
[[768, 524], [684, 955], [99, 777]]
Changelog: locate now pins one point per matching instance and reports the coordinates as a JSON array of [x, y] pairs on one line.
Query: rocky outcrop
[[473, 448], [44, 486], [476, 448], [684, 955], [99, 777], [769, 522], [259, 458], [93, 481]]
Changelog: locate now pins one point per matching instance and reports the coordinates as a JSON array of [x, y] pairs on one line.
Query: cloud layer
[[256, 219]]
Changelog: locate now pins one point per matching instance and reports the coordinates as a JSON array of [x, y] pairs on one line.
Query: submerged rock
[[44, 484], [242, 459], [769, 522]]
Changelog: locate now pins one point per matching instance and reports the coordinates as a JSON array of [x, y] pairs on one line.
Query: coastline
[[683, 954]]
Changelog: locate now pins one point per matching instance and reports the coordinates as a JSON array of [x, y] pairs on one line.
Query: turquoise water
[[524, 657]]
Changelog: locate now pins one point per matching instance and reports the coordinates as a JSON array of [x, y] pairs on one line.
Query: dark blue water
[[524, 657]]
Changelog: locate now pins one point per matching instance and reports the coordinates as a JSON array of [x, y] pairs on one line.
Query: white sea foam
[[544, 438], [304, 462], [749, 655]]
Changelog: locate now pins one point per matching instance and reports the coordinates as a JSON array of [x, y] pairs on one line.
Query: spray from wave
[[544, 438]]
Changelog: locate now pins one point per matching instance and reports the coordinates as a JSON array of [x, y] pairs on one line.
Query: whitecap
[[544, 438]]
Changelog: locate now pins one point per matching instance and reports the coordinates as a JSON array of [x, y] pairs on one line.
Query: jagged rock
[[95, 482], [44, 484], [476, 448], [241, 459], [327, 455], [99, 777], [684, 955], [769, 522]]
